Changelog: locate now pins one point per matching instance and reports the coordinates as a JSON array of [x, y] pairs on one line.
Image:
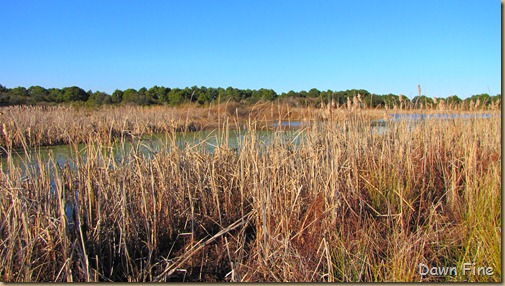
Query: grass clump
[[328, 202]]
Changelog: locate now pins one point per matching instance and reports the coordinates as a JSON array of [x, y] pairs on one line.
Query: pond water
[[289, 124], [64, 156], [422, 116], [149, 146], [205, 141]]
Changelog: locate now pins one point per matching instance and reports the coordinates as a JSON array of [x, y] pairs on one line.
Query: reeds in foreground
[[334, 202]]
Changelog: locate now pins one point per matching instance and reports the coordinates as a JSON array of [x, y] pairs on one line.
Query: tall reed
[[47, 126], [329, 202]]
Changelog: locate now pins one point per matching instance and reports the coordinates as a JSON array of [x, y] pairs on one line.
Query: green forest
[[160, 95]]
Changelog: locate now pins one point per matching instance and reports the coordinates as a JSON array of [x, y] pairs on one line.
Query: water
[[57, 158], [289, 124], [422, 116], [381, 125], [147, 146], [203, 141]]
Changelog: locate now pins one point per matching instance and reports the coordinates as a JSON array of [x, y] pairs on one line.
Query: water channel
[[148, 146], [204, 141]]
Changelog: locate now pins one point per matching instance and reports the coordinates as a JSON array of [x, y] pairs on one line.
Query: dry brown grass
[[343, 204], [46, 126]]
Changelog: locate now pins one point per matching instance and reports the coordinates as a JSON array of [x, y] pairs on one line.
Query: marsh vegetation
[[332, 201]]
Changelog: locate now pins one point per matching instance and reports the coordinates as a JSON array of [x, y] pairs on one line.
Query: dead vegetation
[[333, 202]]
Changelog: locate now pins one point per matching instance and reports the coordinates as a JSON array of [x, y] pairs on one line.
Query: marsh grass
[[330, 202], [56, 125]]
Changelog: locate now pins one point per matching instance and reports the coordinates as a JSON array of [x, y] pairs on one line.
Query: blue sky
[[449, 47]]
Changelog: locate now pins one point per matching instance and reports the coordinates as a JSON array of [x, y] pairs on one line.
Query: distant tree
[[163, 94], [326, 96], [98, 98], [314, 92], [212, 94], [376, 100], [293, 94], [232, 94], [202, 98], [142, 91], [157, 95], [4, 96], [175, 96], [453, 99], [107, 100], [484, 98], [194, 92], [421, 100], [391, 100], [339, 97], [37, 94], [143, 97], [18, 96], [496, 98], [365, 97], [187, 95], [246, 94], [54, 95], [18, 91], [117, 96], [74, 93], [205, 95], [130, 96], [264, 94]]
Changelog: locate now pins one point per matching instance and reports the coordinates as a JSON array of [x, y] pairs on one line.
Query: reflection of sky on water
[[204, 141], [420, 116], [288, 124], [147, 146]]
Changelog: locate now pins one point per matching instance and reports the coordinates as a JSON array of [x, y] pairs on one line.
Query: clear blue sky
[[449, 47]]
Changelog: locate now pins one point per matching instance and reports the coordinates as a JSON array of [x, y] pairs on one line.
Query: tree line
[[160, 95]]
